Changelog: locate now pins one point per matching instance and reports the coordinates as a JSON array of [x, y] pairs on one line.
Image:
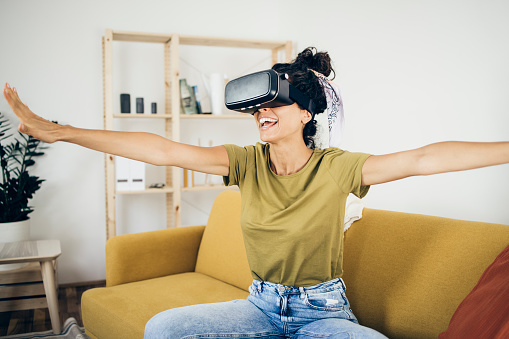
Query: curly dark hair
[[301, 76]]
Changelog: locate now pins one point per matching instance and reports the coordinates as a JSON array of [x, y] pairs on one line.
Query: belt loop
[[302, 293], [260, 288]]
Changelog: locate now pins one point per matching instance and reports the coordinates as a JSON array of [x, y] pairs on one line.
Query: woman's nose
[[264, 109]]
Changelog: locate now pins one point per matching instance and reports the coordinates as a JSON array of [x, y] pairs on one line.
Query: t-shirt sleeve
[[346, 169], [238, 158]]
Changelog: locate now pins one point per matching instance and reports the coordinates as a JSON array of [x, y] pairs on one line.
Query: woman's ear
[[306, 116]]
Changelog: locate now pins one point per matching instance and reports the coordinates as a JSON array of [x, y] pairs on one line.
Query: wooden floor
[[69, 305]]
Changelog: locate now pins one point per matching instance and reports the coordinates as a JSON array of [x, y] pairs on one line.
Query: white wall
[[411, 72]]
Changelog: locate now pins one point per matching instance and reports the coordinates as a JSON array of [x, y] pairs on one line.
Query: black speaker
[[139, 105], [125, 103], [154, 108]]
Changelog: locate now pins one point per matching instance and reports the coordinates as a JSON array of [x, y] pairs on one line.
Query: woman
[[293, 235]]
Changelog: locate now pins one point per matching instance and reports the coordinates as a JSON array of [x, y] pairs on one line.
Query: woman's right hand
[[30, 123]]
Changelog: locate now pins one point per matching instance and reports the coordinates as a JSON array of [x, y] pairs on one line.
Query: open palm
[[30, 123]]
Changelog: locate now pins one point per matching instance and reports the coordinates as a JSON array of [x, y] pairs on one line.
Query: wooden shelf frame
[[171, 116], [200, 40]]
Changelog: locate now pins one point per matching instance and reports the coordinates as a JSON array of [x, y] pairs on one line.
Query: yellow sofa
[[405, 273]]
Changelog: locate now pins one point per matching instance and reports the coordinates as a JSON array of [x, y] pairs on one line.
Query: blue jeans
[[270, 311]]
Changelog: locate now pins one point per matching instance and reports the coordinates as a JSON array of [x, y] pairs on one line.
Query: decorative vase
[[12, 232]]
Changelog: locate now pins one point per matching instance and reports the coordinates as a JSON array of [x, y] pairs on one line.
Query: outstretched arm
[[436, 158], [146, 147]]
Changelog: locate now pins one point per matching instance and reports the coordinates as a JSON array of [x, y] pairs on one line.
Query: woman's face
[[284, 123]]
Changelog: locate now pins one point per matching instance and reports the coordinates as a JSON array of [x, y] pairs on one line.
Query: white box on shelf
[[130, 174], [122, 174], [137, 175]]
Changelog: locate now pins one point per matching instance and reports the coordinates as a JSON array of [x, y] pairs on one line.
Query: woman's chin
[[265, 138]]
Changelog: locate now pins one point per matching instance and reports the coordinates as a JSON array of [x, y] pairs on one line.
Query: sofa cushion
[[222, 253], [485, 311], [122, 311], [407, 273]]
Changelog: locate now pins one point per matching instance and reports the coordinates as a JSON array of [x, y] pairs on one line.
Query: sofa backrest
[[222, 254], [407, 273]]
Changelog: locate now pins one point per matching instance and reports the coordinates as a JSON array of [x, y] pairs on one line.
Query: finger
[[16, 95], [14, 101], [22, 128], [8, 91], [7, 94], [6, 86], [11, 93]]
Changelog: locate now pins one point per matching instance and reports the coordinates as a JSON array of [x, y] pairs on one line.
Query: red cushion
[[484, 313]]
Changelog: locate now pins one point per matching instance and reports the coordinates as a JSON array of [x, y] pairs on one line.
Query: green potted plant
[[17, 186]]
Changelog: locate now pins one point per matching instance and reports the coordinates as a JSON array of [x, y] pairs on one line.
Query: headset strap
[[302, 100]]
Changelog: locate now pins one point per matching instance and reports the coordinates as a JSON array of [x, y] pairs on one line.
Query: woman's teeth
[[265, 120]]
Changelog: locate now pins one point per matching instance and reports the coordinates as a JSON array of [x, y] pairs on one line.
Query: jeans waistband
[[283, 289]]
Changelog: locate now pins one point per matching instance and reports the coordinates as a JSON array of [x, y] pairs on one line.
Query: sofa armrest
[[141, 256]]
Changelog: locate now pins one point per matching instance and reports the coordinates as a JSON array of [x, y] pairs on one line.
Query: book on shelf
[[197, 99], [187, 98]]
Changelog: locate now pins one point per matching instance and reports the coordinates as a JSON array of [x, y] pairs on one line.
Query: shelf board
[[197, 40], [141, 37], [228, 42], [147, 191], [142, 116], [196, 188], [182, 116], [212, 116], [207, 188]]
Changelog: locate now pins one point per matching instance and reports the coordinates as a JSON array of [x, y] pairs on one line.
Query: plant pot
[[12, 232]]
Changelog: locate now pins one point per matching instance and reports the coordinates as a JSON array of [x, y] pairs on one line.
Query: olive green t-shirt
[[293, 224]]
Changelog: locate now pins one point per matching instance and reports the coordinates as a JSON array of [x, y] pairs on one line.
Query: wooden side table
[[17, 285]]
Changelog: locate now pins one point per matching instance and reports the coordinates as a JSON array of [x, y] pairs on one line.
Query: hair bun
[[317, 61]]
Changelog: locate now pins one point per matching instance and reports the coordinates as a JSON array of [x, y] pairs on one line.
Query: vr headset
[[264, 89]]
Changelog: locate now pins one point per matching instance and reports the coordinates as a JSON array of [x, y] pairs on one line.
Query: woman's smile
[[267, 122]]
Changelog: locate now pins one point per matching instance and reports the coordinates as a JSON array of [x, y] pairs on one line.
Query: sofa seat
[[125, 309]]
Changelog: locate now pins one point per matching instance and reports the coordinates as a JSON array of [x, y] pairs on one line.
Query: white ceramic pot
[[11, 232]]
